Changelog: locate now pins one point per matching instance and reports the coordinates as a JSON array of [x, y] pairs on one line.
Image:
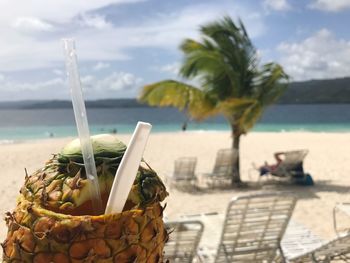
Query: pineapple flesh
[[54, 222]]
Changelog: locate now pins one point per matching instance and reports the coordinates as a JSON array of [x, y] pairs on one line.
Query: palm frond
[[235, 106], [180, 95], [250, 116], [189, 45], [271, 82], [233, 44], [202, 60], [226, 64]]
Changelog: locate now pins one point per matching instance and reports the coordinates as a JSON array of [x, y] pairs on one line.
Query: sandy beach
[[328, 162]]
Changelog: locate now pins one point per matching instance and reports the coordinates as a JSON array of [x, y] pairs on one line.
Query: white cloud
[[15, 86], [87, 80], [95, 21], [172, 68], [14, 89], [330, 5], [318, 56], [57, 72], [277, 5], [120, 81], [169, 30], [117, 81], [50, 83], [101, 65], [33, 33], [31, 24], [32, 41], [61, 11], [98, 39]]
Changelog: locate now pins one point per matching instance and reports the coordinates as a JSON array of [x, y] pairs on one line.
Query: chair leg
[[345, 258], [199, 258], [313, 258], [283, 258], [335, 225], [228, 260]]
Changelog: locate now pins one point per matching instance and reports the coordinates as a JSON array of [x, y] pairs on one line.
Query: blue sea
[[17, 125]]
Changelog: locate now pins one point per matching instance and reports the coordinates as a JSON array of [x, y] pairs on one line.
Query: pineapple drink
[[52, 221]]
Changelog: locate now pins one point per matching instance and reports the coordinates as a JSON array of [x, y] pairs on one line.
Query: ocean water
[[16, 125]]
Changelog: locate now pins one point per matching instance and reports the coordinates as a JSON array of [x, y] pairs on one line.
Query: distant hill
[[303, 92], [317, 91], [63, 104]]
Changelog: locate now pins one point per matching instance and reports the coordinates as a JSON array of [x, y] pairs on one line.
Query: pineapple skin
[[51, 224], [41, 236], [61, 185]]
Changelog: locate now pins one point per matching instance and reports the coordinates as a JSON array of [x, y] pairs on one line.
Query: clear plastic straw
[[128, 168], [82, 123]]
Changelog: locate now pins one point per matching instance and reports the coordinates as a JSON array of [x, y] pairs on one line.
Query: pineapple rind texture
[[40, 235], [49, 223], [62, 184]]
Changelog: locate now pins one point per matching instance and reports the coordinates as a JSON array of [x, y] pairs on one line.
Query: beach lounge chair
[[183, 240], [253, 228], [291, 165], [301, 245], [298, 240], [184, 173], [336, 249], [290, 168], [223, 168], [341, 208]]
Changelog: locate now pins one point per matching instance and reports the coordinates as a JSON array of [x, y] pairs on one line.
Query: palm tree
[[225, 65]]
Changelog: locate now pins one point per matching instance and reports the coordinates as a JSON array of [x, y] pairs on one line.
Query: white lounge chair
[[341, 208], [313, 249], [184, 176], [224, 168], [183, 240], [253, 228], [291, 165], [336, 249], [298, 240]]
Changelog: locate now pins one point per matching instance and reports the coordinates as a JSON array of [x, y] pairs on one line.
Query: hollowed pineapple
[[52, 221]]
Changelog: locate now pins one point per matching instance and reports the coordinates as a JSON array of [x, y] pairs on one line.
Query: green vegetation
[[317, 91], [225, 65], [332, 91]]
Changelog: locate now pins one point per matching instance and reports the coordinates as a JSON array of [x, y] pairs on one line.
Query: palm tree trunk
[[236, 177]]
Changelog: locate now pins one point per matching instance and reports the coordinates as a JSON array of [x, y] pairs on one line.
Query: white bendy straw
[[128, 168], [82, 123]]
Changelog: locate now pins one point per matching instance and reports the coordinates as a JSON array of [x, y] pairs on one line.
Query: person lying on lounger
[[266, 168]]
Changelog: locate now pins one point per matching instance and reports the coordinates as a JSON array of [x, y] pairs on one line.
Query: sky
[[123, 45]]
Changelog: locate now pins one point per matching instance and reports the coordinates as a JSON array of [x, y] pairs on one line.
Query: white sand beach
[[328, 162]]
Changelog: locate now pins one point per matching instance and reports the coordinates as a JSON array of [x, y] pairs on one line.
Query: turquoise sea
[[24, 124]]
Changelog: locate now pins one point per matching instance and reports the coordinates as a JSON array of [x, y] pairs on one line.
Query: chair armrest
[[205, 254], [167, 177], [339, 207], [205, 176], [251, 171]]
